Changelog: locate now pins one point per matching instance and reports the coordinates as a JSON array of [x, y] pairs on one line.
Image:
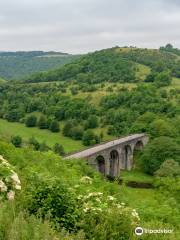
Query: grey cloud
[[85, 25]]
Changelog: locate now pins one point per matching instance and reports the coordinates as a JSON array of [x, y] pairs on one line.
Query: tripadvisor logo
[[138, 231]]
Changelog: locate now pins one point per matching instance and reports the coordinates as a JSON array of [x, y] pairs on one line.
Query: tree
[[31, 121], [67, 130], [77, 133], [34, 143], [169, 46], [88, 138], [54, 126], [44, 147], [161, 127], [168, 168], [92, 122], [16, 141], [157, 151], [58, 149], [42, 123], [163, 79]]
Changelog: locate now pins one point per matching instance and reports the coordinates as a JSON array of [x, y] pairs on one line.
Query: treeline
[[79, 115], [21, 64], [169, 48], [158, 60], [101, 66]]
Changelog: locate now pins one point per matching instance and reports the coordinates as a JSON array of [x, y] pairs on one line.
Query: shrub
[[168, 168], [42, 123], [31, 121], [34, 143], [9, 181], [16, 141], [104, 218], [58, 149], [77, 133], [53, 198], [54, 126], [92, 122], [157, 151], [88, 138]]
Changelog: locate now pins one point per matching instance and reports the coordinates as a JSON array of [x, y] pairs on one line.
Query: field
[[7, 129]]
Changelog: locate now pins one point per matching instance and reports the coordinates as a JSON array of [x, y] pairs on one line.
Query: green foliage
[[54, 126], [58, 149], [42, 122], [163, 79], [160, 127], [16, 141], [34, 143], [92, 122], [157, 151], [77, 133], [53, 198], [168, 168], [16, 225], [89, 138], [17, 65], [31, 121], [101, 66]]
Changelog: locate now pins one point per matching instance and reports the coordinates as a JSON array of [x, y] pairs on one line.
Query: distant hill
[[113, 65], [17, 65], [171, 49]]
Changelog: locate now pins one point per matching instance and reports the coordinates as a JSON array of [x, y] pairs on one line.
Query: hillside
[[16, 65], [112, 65], [107, 93], [97, 97], [71, 195]]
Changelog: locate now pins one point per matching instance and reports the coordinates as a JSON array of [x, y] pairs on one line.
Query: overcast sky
[[78, 26]]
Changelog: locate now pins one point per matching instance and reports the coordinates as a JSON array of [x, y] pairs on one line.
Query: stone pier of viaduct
[[110, 157]]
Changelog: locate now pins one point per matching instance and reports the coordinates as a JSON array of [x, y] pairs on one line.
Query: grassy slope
[[8, 129]]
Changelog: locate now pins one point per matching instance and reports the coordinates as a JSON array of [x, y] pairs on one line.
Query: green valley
[[91, 99]]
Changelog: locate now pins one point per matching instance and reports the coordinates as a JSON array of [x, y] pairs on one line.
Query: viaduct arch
[[110, 157]]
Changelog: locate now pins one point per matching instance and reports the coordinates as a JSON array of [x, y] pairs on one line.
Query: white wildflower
[[98, 200], [18, 187], [111, 198], [3, 187], [15, 178], [86, 180], [10, 195]]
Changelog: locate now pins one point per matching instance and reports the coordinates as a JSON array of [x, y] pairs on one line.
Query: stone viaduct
[[110, 157]]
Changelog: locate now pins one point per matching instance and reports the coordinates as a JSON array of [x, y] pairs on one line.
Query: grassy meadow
[[8, 129]]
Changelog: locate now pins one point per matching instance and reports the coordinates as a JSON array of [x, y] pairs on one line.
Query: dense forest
[[96, 97], [16, 65]]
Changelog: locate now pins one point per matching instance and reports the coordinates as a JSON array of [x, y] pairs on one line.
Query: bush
[[58, 149], [77, 133], [54, 126], [67, 129], [162, 127], [168, 168], [31, 121], [34, 143], [42, 123], [89, 138], [157, 151], [92, 122], [16, 141], [20, 225], [53, 198]]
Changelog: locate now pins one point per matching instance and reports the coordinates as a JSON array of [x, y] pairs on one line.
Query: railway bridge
[[110, 157]]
